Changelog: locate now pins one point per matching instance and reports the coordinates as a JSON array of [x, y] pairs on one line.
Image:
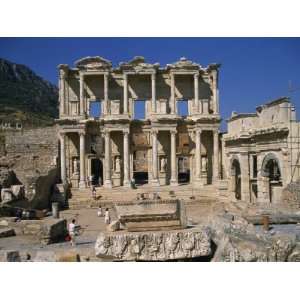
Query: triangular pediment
[[94, 62]]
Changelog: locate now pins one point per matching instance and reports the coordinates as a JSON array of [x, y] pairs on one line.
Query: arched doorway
[[272, 175], [236, 178], [183, 169], [97, 171]]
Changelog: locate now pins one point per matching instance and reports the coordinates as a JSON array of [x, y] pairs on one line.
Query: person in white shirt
[[107, 217], [99, 212], [72, 232]]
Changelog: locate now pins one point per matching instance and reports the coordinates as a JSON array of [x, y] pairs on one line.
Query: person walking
[[94, 193], [107, 216], [99, 212], [72, 232]]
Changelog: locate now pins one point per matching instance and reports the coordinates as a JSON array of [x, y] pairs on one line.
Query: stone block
[[45, 256], [113, 226], [3, 223], [6, 232], [18, 191], [9, 256]]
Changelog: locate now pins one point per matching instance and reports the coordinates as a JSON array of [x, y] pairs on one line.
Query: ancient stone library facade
[[157, 126]]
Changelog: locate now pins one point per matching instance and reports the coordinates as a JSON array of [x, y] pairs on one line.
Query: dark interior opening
[[97, 171]]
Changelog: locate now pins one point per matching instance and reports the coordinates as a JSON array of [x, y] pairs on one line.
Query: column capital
[[62, 134], [198, 130], [154, 131], [81, 133], [173, 131], [196, 75], [126, 131]]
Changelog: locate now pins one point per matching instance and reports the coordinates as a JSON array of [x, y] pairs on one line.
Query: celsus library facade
[[150, 125]]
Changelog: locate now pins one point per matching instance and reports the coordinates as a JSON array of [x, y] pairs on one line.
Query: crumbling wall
[[32, 155]]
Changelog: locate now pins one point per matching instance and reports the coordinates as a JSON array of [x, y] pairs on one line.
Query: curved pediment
[[138, 64], [94, 62]]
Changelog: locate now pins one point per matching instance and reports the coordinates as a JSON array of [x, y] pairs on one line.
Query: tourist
[[72, 232], [99, 212], [91, 180], [107, 216], [94, 193]]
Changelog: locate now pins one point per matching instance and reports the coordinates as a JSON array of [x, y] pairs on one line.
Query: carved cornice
[[137, 65], [183, 64]]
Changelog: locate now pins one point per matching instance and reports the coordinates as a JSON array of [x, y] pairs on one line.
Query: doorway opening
[[140, 167], [97, 171], [183, 170], [236, 174]]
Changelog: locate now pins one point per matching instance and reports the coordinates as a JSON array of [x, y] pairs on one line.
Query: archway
[[97, 171], [236, 178], [271, 173]]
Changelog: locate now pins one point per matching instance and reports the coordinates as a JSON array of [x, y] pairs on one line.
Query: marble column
[[196, 93], [105, 94], [62, 93], [125, 92], [155, 181], [173, 102], [107, 182], [153, 90], [63, 157], [245, 177], [81, 86], [198, 161], [215, 93], [174, 176], [126, 181], [82, 181], [216, 172]]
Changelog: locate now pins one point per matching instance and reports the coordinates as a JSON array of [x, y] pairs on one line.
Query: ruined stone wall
[[32, 155]]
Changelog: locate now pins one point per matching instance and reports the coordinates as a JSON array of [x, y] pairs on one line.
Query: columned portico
[[155, 181], [107, 182], [216, 170], [174, 175], [82, 182], [126, 181], [63, 156]]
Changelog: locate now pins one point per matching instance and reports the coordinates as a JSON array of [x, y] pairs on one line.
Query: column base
[[107, 184], [82, 184], [155, 182], [173, 182], [127, 184]]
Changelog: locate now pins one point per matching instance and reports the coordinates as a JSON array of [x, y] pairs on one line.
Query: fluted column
[[216, 171], [125, 91], [198, 155], [153, 89], [62, 93], [215, 93], [174, 176], [155, 180], [196, 92], [107, 182], [82, 182], [63, 157], [105, 94], [126, 181], [173, 104], [81, 87]]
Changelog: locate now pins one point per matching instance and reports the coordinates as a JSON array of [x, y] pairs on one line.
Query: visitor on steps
[[107, 217], [94, 193], [72, 232], [99, 212]]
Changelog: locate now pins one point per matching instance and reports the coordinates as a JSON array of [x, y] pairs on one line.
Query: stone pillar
[[125, 91], [153, 90], [62, 93], [173, 101], [63, 157], [107, 182], [174, 176], [216, 172], [126, 181], [105, 94], [81, 86], [82, 181], [215, 92], [245, 177], [155, 181], [198, 161], [196, 93]]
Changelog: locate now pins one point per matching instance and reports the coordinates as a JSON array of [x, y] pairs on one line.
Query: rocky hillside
[[26, 97]]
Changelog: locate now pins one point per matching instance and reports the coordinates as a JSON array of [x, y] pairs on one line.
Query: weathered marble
[[154, 246]]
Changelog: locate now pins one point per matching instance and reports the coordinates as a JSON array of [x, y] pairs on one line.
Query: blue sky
[[254, 70]]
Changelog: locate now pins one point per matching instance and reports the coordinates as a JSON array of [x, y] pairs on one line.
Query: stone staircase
[[82, 198]]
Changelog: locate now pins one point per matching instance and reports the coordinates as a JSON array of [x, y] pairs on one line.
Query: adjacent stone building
[[101, 135], [261, 152]]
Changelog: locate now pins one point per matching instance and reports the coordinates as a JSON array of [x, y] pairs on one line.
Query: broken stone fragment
[[113, 226], [10, 256], [6, 232]]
